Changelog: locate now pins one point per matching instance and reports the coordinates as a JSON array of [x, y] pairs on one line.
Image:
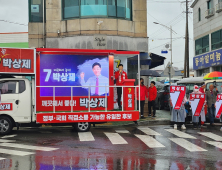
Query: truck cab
[[16, 103]]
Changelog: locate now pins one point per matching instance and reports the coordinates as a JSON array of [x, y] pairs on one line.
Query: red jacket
[[152, 93], [120, 78], [201, 90], [143, 93]]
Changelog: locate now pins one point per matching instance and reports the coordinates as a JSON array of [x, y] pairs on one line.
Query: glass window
[[36, 11], [199, 14], [93, 8], [112, 8], [21, 86], [202, 45], [8, 87], [121, 8], [128, 9], [209, 4], [218, 84], [70, 9], [216, 40]]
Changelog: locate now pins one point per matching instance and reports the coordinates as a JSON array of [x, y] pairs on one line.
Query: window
[[21, 86], [219, 86], [97, 8], [8, 87], [199, 14], [70, 8], [36, 11], [209, 4], [216, 40], [202, 45]]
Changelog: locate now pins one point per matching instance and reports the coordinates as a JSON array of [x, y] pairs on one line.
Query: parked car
[[162, 100]]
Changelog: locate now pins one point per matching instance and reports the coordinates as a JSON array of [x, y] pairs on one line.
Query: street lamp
[[171, 31]]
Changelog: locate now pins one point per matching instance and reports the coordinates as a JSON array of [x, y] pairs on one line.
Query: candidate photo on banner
[[82, 71]]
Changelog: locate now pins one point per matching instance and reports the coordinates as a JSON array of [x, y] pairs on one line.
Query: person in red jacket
[[151, 98], [120, 77], [143, 95]]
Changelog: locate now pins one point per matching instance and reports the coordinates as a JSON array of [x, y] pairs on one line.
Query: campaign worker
[[120, 77], [96, 81], [178, 116], [202, 114], [142, 97], [211, 96], [152, 94]]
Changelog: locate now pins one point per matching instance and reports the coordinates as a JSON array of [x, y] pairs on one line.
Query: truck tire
[[82, 126], [5, 125]]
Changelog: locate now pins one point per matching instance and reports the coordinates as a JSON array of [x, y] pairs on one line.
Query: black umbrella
[[149, 73]]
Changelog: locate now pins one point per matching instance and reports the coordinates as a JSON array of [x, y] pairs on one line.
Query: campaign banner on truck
[[5, 106], [17, 60], [218, 106], [197, 102], [89, 74], [177, 94], [87, 117]]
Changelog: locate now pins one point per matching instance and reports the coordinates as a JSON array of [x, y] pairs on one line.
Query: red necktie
[[97, 84]]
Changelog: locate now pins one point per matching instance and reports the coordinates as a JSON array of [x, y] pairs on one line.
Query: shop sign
[[207, 60], [99, 42]]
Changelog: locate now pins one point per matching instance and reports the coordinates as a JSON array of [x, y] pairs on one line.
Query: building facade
[[88, 24], [207, 24]]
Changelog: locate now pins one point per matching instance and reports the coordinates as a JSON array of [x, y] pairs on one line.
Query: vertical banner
[[218, 106], [177, 94], [197, 103]]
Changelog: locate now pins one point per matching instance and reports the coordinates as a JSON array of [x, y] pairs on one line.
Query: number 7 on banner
[[197, 102], [218, 106], [177, 94]]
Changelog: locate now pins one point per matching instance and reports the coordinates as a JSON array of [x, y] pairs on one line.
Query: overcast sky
[[167, 12]]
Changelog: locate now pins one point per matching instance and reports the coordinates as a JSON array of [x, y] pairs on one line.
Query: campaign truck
[[62, 87]]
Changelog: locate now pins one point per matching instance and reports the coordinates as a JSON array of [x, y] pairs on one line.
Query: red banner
[[87, 117], [17, 60], [197, 103], [5, 106], [218, 106], [177, 94]]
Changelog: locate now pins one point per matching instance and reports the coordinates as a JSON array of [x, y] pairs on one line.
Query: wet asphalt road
[[116, 148]]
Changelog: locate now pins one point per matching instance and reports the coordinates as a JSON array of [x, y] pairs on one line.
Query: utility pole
[[186, 57]]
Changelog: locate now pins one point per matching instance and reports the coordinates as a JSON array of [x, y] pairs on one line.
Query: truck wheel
[[82, 126], [5, 125]]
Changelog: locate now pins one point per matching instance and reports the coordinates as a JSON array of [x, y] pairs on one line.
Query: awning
[[149, 73], [156, 60]]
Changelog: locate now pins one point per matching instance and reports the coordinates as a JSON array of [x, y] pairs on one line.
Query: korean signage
[[5, 106], [207, 60], [83, 71], [177, 94], [87, 116], [197, 102], [218, 106], [17, 60]]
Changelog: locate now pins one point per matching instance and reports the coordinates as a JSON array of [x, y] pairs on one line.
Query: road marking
[[2, 158], [8, 136], [6, 140], [122, 131], [115, 138], [15, 145], [147, 130], [86, 136], [214, 143], [180, 134], [211, 135], [150, 141], [187, 145], [14, 152]]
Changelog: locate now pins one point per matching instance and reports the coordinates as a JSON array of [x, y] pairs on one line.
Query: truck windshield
[[218, 85]]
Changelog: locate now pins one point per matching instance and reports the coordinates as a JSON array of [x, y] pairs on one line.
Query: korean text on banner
[[177, 94], [197, 102], [17, 60], [218, 106]]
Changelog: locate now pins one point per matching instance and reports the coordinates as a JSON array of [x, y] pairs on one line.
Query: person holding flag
[[178, 116]]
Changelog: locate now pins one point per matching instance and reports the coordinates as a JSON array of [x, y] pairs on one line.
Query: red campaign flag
[[218, 106], [177, 94], [197, 103]]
